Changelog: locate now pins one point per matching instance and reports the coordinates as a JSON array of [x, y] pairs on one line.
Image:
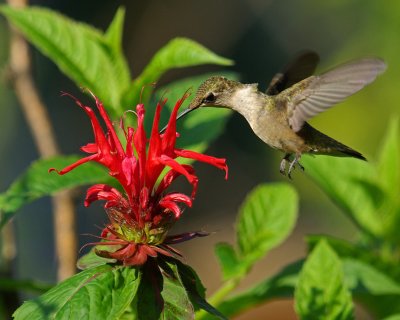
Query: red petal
[[172, 206], [169, 138], [105, 192], [178, 197], [90, 148], [171, 176], [139, 258], [75, 164], [217, 162], [139, 141], [110, 126], [178, 168]]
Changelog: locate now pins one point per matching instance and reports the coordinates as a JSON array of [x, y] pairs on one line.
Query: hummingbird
[[279, 116]]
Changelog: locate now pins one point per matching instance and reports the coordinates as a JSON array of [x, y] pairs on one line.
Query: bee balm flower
[[141, 216]]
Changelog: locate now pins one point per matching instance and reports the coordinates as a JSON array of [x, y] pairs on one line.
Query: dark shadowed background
[[260, 36]]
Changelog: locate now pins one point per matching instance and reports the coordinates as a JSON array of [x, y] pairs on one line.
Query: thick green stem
[[219, 295]]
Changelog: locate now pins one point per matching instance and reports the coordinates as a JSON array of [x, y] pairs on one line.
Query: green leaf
[[177, 53], [83, 53], [36, 182], [372, 288], [177, 304], [389, 161], [266, 218], [352, 185], [345, 249], [229, 261], [361, 277], [280, 286], [114, 32], [92, 260], [99, 293], [320, 292]]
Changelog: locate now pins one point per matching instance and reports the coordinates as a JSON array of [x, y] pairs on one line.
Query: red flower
[[141, 217]]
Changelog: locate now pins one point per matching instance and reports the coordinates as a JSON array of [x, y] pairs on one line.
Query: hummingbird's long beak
[[180, 115]]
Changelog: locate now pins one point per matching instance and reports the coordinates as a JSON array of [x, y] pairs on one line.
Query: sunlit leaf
[[230, 263], [83, 53], [99, 293], [320, 292], [389, 161], [266, 218], [352, 185], [36, 182]]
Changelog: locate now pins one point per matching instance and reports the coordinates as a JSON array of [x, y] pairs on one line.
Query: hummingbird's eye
[[210, 98]]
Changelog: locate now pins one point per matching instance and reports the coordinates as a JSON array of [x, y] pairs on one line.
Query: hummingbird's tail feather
[[349, 152], [320, 143]]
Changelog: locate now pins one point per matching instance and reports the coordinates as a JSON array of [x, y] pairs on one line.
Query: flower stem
[[219, 295]]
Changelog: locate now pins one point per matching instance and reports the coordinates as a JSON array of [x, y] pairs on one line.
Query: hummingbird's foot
[[292, 165]]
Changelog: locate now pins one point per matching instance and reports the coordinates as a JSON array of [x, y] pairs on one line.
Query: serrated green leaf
[[99, 293], [230, 264], [177, 53], [80, 51], [321, 292], [352, 185], [389, 160], [177, 305], [92, 260], [36, 182], [266, 218]]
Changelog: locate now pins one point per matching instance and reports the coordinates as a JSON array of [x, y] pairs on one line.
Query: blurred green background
[[261, 36]]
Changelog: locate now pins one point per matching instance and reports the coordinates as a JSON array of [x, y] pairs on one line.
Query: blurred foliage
[[366, 192]]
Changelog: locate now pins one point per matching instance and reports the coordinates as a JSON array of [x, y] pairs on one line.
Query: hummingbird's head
[[216, 91]]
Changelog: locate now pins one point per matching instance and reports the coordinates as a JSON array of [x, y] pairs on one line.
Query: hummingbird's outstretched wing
[[302, 66], [318, 93]]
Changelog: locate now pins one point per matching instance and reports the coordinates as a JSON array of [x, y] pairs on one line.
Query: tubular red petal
[[178, 197], [104, 192], [216, 162], [170, 176], [90, 148], [170, 134], [172, 206], [110, 126], [178, 168], [139, 141], [75, 164]]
